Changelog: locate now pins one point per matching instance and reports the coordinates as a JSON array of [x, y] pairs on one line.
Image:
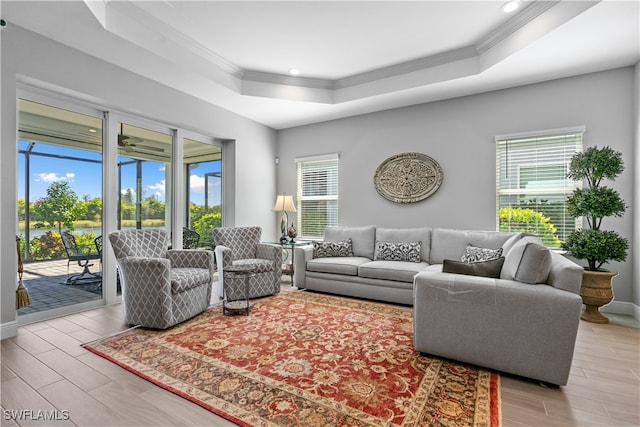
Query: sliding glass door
[[154, 177], [144, 177], [59, 205], [202, 167]]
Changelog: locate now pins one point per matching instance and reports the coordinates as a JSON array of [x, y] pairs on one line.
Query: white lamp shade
[[284, 203]]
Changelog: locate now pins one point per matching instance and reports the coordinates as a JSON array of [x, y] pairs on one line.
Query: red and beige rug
[[305, 359]]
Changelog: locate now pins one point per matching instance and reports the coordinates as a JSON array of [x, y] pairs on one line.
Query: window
[[316, 194], [532, 185]]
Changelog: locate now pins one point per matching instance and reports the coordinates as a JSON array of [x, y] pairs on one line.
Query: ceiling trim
[[516, 22], [493, 47], [143, 26]]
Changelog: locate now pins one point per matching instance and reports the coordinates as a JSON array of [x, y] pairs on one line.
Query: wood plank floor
[[44, 368]]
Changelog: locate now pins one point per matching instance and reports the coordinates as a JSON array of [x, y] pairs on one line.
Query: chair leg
[[86, 274]]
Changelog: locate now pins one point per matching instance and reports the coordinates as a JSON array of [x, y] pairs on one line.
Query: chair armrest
[[224, 256], [272, 253], [156, 273], [191, 258]]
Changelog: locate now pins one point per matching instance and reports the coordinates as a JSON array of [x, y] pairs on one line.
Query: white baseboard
[[9, 329], [621, 307]]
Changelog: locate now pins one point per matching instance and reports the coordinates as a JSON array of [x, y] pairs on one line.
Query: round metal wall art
[[408, 177]]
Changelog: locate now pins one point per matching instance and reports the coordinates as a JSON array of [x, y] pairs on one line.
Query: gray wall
[[635, 205], [459, 134], [27, 56]]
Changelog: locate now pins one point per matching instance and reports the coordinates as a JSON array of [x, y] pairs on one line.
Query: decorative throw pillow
[[527, 262], [332, 249], [535, 264], [475, 254], [397, 251], [490, 268]]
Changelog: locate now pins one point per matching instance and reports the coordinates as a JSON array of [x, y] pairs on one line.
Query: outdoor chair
[[241, 246], [190, 238], [83, 255], [160, 287]]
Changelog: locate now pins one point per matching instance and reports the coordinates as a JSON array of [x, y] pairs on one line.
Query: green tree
[[127, 205], [153, 208], [60, 207], [529, 221], [94, 209], [21, 209], [205, 225]]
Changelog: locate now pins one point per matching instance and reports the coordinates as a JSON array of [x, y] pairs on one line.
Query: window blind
[[532, 184], [317, 195]]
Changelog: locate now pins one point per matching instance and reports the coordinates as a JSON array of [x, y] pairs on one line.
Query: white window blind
[[317, 195], [532, 185]]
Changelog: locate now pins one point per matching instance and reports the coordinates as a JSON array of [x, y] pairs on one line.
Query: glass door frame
[[75, 106], [110, 127]]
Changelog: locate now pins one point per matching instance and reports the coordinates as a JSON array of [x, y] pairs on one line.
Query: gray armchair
[[160, 287], [241, 246]]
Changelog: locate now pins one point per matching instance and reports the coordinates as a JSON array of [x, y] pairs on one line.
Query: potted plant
[[595, 202]]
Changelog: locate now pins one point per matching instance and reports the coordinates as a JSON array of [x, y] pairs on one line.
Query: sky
[[85, 177]]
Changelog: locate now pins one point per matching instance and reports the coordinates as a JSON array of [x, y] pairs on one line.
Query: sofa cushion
[[400, 271], [362, 238], [422, 234], [332, 249], [527, 262], [261, 265], [490, 268], [397, 251], [450, 243], [337, 265], [476, 254], [183, 279]]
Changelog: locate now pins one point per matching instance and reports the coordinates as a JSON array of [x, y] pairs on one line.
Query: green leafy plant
[[529, 221], [205, 225], [594, 203], [60, 207]]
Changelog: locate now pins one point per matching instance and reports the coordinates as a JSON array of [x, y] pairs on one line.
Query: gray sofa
[[523, 321]]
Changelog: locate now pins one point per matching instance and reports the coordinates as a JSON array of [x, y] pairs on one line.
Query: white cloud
[[159, 187], [52, 177], [125, 190], [197, 183]]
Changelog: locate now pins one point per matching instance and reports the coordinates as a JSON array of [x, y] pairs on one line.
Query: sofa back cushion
[[408, 235], [362, 238], [449, 243]]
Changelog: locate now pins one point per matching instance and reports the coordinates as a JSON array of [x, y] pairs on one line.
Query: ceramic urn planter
[[596, 291]]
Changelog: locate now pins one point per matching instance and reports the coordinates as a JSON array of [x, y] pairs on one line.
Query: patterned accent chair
[[241, 246], [160, 287]]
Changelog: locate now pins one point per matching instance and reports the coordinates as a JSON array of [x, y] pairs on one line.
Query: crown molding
[[514, 24], [144, 26], [419, 64], [281, 79]]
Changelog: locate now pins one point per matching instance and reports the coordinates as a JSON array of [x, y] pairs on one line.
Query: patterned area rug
[[305, 359]]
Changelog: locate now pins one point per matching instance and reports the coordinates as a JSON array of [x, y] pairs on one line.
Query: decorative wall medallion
[[408, 177]]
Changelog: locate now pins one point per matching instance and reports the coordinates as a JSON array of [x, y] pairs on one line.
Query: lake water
[[40, 231]]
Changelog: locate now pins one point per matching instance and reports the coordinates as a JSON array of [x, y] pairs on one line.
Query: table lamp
[[284, 204]]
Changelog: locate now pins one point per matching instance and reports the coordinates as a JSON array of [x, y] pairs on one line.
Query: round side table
[[235, 289]]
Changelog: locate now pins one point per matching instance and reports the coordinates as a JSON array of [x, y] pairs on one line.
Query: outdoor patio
[[45, 281]]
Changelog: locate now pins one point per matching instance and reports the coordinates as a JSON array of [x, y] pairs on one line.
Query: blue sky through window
[[85, 177]]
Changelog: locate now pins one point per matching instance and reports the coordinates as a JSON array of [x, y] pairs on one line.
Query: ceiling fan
[[129, 142]]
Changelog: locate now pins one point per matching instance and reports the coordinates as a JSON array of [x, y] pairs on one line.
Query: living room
[[458, 132]]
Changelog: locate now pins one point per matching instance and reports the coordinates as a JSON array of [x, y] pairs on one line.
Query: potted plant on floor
[[595, 202]]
